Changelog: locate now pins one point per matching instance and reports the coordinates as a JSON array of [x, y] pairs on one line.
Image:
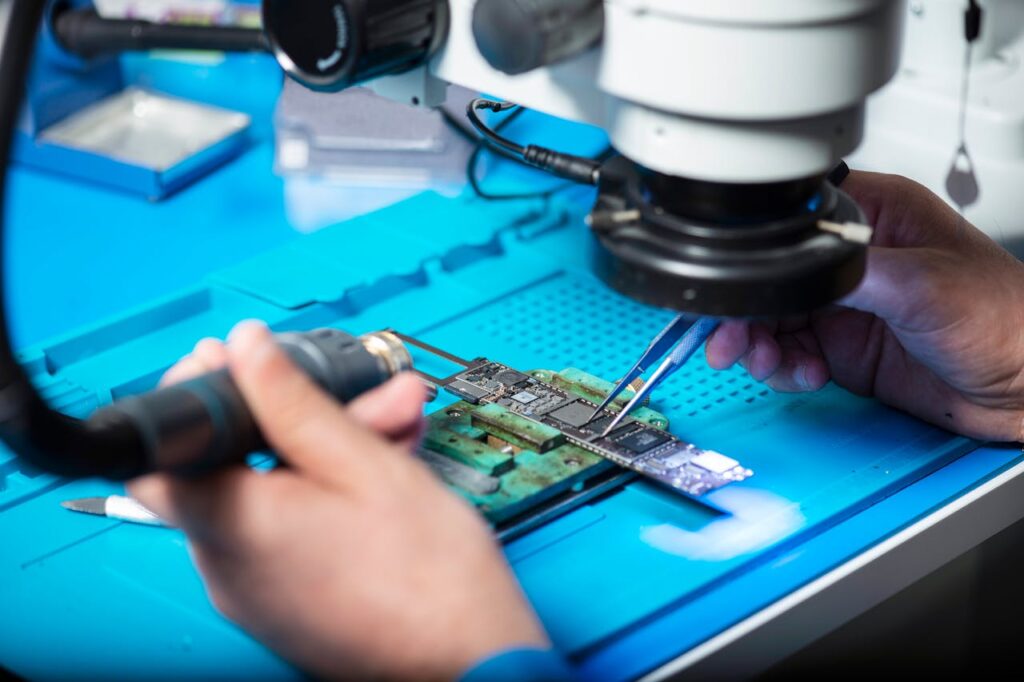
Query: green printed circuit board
[[522, 447]]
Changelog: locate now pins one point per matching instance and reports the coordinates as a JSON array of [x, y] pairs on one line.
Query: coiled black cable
[[41, 436]]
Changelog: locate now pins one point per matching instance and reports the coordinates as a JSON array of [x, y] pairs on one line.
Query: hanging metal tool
[[962, 181]]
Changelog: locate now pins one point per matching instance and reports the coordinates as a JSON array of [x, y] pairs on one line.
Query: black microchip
[[642, 440], [574, 414], [510, 377], [600, 424]]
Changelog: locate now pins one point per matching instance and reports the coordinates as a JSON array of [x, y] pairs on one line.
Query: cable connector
[[575, 168]]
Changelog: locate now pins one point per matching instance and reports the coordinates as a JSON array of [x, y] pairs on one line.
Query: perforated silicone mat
[[546, 322], [509, 281]]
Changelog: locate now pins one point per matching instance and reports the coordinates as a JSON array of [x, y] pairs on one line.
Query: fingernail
[[203, 343], [249, 338], [248, 329], [801, 378], [756, 362]]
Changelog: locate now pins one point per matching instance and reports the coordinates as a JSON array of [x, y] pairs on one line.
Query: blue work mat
[[507, 280]]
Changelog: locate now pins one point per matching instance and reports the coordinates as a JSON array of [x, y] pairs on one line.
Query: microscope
[[727, 119]]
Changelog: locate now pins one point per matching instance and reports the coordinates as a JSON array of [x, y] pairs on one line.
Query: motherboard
[[524, 447], [641, 445]]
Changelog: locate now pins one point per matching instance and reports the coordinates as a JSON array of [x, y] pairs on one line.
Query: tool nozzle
[[389, 349]]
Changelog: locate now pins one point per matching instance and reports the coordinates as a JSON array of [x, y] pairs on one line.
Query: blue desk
[[107, 291]]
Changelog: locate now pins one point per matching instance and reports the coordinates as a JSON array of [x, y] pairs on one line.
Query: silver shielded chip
[[714, 462]]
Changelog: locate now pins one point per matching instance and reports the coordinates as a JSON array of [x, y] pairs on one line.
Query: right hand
[[355, 561], [935, 329]]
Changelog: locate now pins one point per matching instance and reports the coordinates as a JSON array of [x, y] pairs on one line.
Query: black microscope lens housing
[[330, 45], [721, 249]]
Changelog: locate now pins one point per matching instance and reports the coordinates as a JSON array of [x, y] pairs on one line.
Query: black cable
[[39, 435], [480, 147], [576, 168], [85, 33], [491, 135], [467, 132], [473, 165]]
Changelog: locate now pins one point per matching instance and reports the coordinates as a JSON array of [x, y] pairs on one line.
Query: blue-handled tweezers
[[684, 336]]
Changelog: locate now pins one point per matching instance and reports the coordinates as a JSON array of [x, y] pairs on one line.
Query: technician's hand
[[936, 328], [355, 561]]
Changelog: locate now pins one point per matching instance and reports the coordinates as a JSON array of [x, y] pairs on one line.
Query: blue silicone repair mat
[[92, 597]]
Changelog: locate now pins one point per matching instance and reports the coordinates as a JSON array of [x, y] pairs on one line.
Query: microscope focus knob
[[516, 36], [330, 45]]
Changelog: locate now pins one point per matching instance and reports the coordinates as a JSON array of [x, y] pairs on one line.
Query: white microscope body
[[728, 116], [747, 91]]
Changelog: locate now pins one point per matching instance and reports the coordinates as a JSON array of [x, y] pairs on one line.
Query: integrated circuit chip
[[642, 440], [524, 397], [600, 424], [574, 414], [510, 377]]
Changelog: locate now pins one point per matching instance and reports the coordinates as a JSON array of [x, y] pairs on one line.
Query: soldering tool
[[684, 335], [204, 423]]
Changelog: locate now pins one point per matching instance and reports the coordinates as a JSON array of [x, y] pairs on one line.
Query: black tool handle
[[87, 34], [202, 424], [195, 426]]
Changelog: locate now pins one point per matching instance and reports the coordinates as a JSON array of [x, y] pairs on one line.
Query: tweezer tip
[[611, 427]]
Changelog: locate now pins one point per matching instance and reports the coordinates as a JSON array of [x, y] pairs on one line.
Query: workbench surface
[[108, 290]]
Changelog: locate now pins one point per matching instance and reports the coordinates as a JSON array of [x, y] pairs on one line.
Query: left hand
[[355, 561], [936, 328]]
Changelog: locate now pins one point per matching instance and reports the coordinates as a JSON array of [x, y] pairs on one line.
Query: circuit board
[[641, 446], [523, 444]]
